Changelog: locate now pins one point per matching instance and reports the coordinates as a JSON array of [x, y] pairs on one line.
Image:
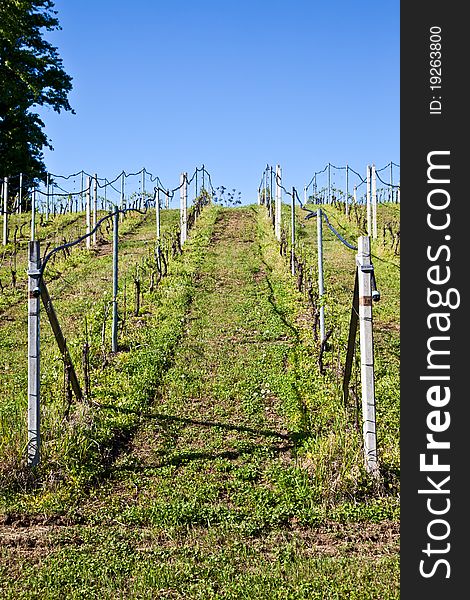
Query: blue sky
[[234, 85]]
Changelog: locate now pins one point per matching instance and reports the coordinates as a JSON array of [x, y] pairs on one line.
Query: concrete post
[[367, 354], [114, 340], [33, 214], [292, 253], [183, 208], [88, 212], [321, 288], [95, 206], [277, 213], [374, 202], [34, 434]]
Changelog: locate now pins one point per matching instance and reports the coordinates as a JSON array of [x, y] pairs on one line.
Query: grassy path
[[208, 499]]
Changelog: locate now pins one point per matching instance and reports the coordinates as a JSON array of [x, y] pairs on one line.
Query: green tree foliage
[[31, 75]]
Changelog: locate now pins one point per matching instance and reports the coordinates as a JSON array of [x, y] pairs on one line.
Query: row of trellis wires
[[333, 183], [85, 193], [34, 210], [290, 233], [107, 206], [346, 187]]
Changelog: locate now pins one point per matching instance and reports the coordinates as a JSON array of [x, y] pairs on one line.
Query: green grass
[[140, 563], [213, 459], [80, 295], [323, 395]]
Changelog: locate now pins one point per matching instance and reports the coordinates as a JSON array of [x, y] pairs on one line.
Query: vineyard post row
[[37, 291], [393, 190], [49, 206], [364, 292]]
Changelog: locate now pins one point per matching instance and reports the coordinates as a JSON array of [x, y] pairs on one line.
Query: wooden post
[[95, 206], [61, 342], [167, 199], [355, 195], [292, 252], [364, 271], [347, 189], [114, 340], [374, 202], [321, 289], [88, 212], [5, 211], [369, 216], [390, 188], [81, 192], [183, 208], [277, 214], [34, 434]]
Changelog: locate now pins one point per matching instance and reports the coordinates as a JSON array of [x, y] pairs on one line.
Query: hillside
[[214, 456]]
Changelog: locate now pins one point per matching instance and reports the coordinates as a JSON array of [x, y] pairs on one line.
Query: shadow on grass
[[186, 457], [272, 302], [287, 442], [294, 437]]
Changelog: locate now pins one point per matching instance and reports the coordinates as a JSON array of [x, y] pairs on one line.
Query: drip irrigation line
[[284, 189], [210, 179], [338, 235], [298, 199], [383, 168], [330, 226], [108, 216], [385, 183], [68, 176], [66, 193], [277, 178], [103, 182], [193, 176], [87, 235], [360, 176], [112, 187], [336, 167], [315, 174], [50, 194], [322, 171]]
